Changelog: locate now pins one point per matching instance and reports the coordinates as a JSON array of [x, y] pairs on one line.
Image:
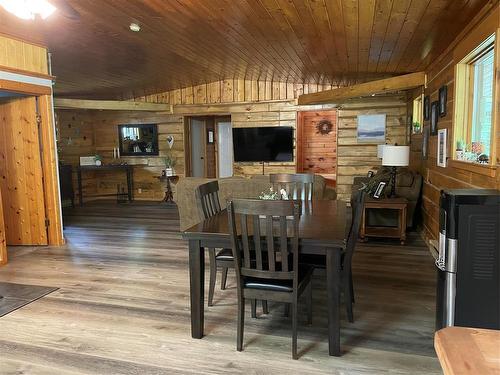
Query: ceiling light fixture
[[135, 27], [28, 9]]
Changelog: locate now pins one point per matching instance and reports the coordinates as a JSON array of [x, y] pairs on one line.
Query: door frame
[[42, 89], [218, 119], [188, 169]]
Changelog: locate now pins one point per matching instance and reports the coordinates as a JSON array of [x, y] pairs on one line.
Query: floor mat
[[16, 296]]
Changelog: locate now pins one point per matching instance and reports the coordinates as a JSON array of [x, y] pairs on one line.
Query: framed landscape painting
[[371, 128]]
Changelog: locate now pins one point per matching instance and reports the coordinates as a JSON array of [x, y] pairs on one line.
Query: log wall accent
[[259, 109], [456, 175], [20, 55]]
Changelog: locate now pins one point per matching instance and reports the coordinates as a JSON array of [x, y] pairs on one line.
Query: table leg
[[333, 293], [80, 192], [197, 287], [169, 196], [129, 184], [403, 225]]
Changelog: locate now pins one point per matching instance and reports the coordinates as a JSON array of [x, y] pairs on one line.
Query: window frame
[[464, 97]]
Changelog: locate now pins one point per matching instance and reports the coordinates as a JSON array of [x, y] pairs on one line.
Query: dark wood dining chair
[[357, 203], [266, 251], [207, 198], [298, 185], [319, 261]]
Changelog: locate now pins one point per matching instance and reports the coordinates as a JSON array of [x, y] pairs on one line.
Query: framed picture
[[434, 117], [379, 190], [138, 139], [425, 143], [441, 148], [371, 128], [427, 107], [443, 94], [210, 136]]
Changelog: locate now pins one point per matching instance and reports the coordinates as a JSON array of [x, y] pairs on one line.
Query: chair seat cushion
[[225, 254], [305, 271]]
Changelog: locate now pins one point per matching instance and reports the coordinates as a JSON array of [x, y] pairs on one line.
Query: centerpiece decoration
[[273, 195]]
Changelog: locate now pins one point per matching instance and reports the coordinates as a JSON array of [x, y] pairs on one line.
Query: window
[[418, 115], [482, 101], [475, 80]]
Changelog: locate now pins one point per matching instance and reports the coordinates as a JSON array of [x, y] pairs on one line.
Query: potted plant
[[98, 160], [170, 163], [460, 149], [416, 127]]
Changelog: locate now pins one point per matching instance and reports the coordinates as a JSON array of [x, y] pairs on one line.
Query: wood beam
[[111, 105], [404, 82]]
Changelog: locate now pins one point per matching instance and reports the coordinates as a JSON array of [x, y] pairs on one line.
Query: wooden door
[[317, 143], [197, 153], [210, 163], [21, 181]]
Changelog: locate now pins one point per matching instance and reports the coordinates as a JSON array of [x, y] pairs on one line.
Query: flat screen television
[[263, 144]]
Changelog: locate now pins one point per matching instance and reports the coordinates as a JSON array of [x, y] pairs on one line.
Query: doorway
[[317, 144], [209, 151]]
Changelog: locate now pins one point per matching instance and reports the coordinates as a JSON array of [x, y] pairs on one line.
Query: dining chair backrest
[[357, 205], [265, 242], [207, 199], [298, 186]]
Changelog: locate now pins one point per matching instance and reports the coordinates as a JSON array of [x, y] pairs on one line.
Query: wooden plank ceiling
[[188, 42]]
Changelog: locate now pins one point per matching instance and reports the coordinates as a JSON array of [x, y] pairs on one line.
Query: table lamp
[[380, 151], [395, 156]]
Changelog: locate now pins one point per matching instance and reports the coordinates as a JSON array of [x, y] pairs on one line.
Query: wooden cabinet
[[399, 231]]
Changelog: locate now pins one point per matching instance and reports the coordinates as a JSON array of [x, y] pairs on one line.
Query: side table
[[169, 196], [399, 204]]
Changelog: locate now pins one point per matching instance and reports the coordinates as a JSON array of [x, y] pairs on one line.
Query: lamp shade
[[396, 156], [380, 151]]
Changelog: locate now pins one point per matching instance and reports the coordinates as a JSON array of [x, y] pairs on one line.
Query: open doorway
[[209, 146]]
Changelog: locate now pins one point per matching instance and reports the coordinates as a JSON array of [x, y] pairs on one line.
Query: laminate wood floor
[[122, 307]]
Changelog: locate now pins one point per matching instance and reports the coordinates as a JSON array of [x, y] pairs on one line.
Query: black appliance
[[263, 144], [468, 283]]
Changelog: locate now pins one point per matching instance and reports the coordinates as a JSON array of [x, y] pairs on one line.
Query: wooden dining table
[[322, 231]]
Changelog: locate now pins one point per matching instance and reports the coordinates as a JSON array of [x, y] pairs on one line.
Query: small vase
[[98, 163], [169, 171]]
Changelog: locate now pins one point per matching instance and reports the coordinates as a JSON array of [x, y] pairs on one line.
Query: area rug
[[16, 296]]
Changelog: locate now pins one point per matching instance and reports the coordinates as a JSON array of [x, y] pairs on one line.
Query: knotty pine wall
[[250, 104], [20, 55], [456, 175]]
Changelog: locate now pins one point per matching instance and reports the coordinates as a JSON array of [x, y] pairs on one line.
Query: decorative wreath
[[324, 127]]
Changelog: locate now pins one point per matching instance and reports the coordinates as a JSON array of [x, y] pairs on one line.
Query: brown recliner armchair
[[408, 185]]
